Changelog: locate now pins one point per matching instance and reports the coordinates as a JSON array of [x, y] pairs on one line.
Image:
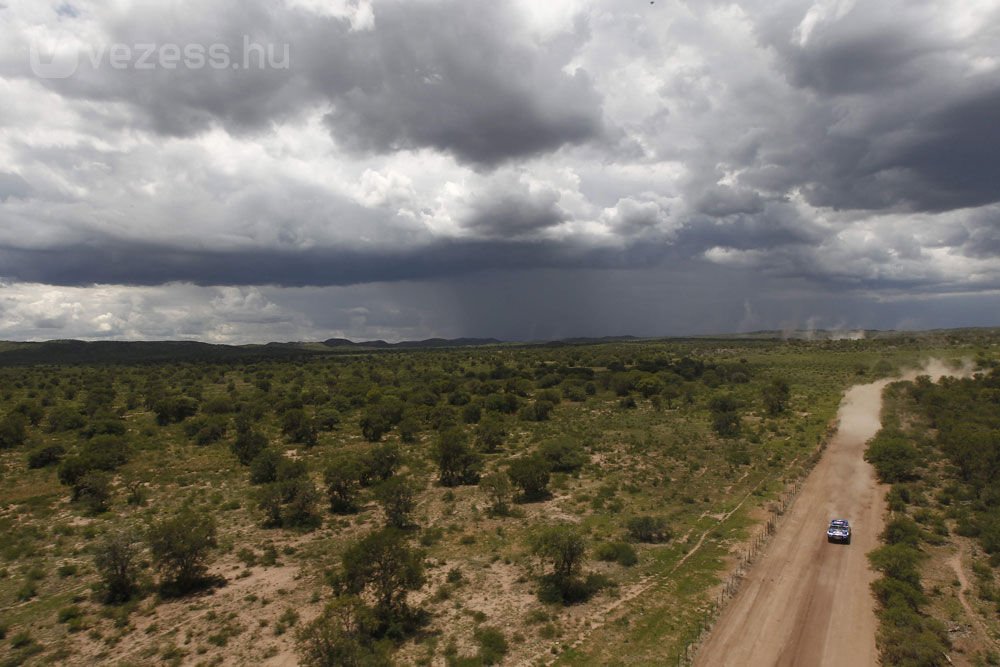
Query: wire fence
[[731, 586]]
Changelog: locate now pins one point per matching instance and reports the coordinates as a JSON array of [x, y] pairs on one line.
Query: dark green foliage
[[538, 411], [650, 529], [490, 434], [492, 645], [180, 545], [341, 480], [264, 466], [44, 456], [385, 568], [622, 553], [894, 456], [32, 410], [93, 488], [507, 403], [725, 418], [563, 455], [206, 430], [247, 445], [289, 502], [116, 560], [173, 409], [531, 474], [458, 463], [297, 427], [379, 463], [64, 418], [103, 452], [104, 426], [342, 636], [775, 395], [328, 419], [398, 497], [499, 489], [13, 430], [563, 549]]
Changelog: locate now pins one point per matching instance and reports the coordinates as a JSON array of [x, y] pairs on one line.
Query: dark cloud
[[12, 185], [460, 76], [455, 76]]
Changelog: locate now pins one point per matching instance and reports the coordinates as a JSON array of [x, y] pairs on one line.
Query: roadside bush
[[894, 456]]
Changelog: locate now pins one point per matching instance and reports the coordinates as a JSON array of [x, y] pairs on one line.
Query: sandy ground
[[807, 602]]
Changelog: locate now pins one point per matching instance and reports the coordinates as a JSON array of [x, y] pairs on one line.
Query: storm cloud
[[591, 162]]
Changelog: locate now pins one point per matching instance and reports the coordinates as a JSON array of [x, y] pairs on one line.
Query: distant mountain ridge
[[412, 344]]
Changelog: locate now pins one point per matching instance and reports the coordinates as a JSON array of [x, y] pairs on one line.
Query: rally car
[[839, 531]]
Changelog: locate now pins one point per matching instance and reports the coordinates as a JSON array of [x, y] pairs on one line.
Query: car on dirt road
[[839, 531]]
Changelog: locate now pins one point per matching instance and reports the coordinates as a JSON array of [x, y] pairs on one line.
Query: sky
[[252, 170]]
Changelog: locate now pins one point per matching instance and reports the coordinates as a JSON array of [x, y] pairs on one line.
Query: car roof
[[839, 522]]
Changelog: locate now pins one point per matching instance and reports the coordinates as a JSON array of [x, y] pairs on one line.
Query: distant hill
[[412, 344]]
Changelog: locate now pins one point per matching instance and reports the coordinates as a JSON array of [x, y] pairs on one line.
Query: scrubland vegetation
[[466, 506], [940, 450]]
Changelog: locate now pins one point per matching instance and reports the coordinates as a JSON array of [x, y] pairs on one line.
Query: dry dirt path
[[807, 602]]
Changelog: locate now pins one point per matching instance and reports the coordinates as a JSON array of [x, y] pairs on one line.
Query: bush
[[457, 462], [116, 560], [94, 489], [264, 466], [64, 418], [247, 445], [490, 434], [397, 497], [13, 430], [563, 455], [180, 546], [341, 480], [895, 458], [531, 474], [173, 409], [499, 489], [42, 457], [384, 566], [622, 553], [492, 645], [650, 529], [537, 411], [341, 636]]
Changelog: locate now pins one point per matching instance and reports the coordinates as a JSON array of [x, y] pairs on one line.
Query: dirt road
[[807, 602]]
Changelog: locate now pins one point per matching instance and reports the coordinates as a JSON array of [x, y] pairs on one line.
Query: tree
[[776, 394], [498, 488], [725, 419], [385, 568], [648, 529], [248, 445], [180, 545], [116, 559], [172, 409], [397, 497], [562, 547], [379, 463], [341, 636], [563, 455], [490, 434], [264, 466], [297, 427], [894, 456], [531, 475], [94, 489], [341, 479], [457, 462], [13, 430]]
